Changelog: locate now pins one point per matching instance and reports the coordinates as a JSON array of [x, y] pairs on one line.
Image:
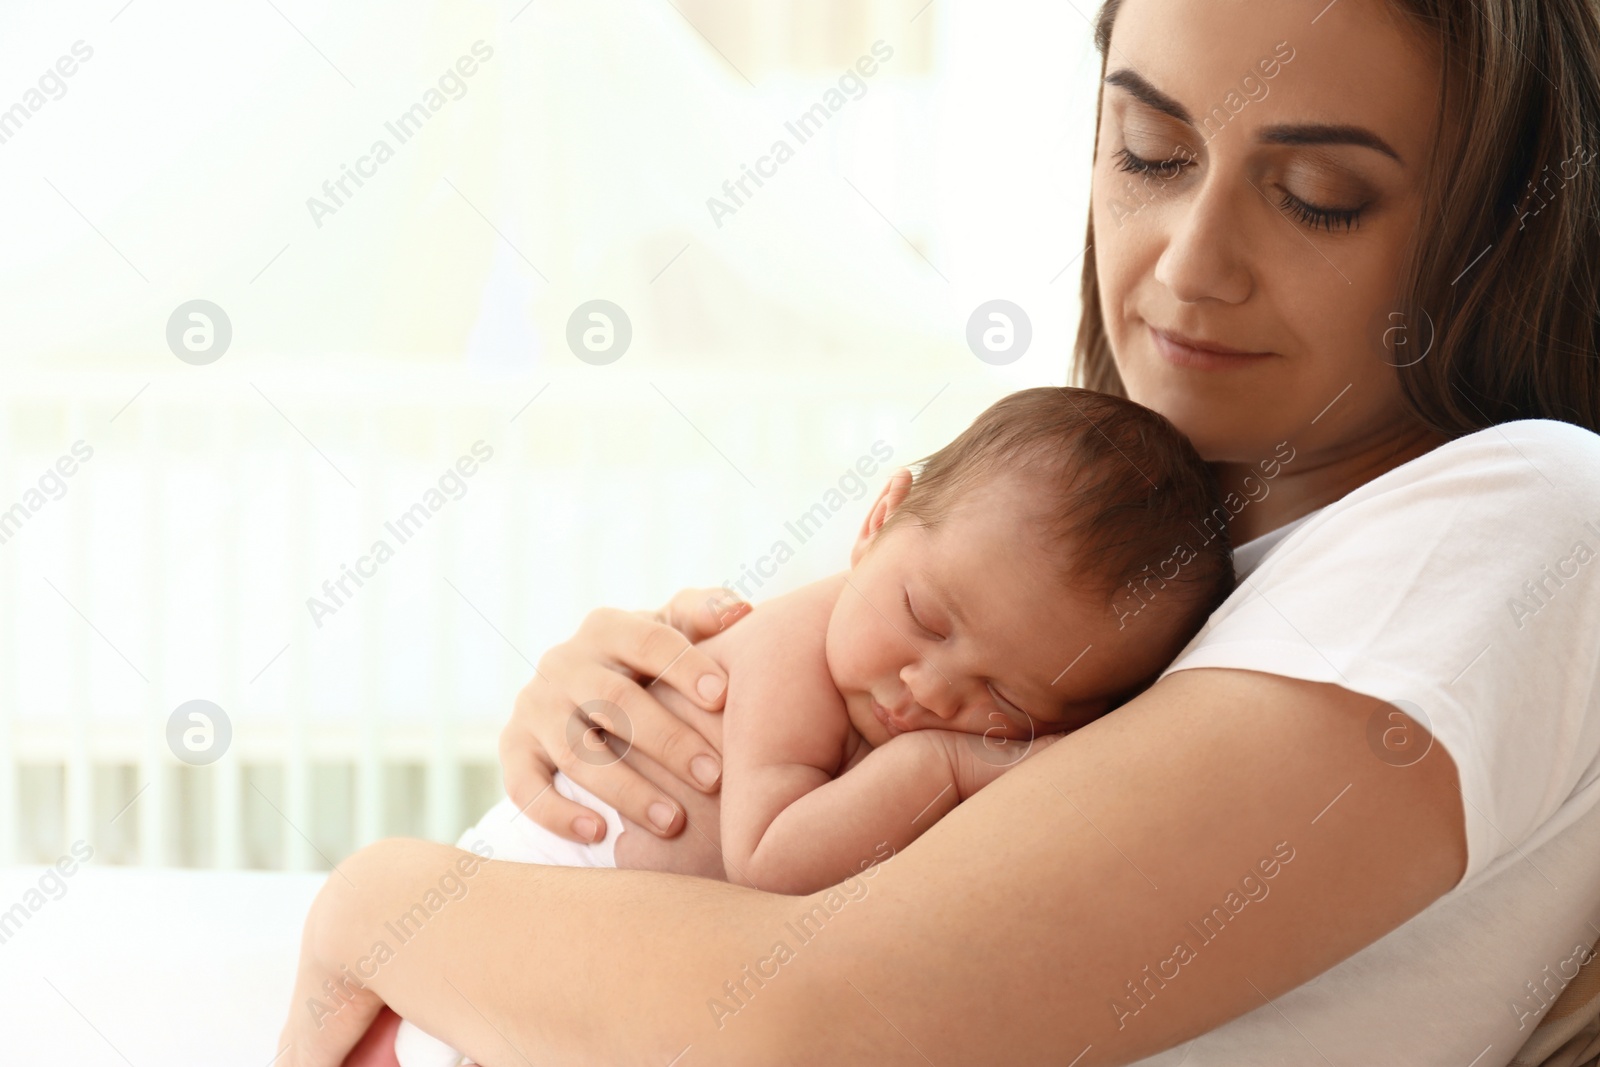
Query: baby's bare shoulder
[[781, 697], [787, 629]]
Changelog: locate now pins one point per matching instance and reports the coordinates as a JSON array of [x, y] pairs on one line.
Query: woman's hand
[[610, 659]]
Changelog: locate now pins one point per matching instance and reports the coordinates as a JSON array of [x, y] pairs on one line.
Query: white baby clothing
[[505, 833]]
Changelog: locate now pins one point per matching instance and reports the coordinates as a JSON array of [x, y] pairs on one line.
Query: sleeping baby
[[1032, 575]]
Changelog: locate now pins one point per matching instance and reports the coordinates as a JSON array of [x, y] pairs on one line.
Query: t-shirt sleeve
[[1463, 588]]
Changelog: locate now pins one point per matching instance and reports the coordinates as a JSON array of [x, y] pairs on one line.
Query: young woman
[[1351, 251]]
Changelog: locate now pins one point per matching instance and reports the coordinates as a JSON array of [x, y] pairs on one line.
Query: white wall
[[769, 354]]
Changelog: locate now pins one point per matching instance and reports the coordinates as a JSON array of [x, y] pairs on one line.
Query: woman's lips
[[1177, 350]]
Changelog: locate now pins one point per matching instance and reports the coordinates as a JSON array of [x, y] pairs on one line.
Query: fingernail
[[662, 815], [586, 828], [710, 686], [705, 770]]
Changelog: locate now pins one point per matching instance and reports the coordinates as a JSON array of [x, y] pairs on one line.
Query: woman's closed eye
[[1161, 168], [1313, 216]]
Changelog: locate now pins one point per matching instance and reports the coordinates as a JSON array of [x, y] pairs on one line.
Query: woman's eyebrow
[[1293, 134], [1148, 94], [1315, 134]]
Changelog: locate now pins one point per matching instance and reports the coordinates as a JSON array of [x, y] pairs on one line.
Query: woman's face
[[1257, 181]]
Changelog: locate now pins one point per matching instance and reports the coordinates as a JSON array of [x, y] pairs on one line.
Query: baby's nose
[[944, 701], [931, 690]]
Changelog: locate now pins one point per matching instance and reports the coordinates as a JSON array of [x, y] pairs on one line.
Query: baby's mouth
[[881, 713]]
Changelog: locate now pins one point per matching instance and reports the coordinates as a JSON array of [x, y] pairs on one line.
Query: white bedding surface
[[149, 968]]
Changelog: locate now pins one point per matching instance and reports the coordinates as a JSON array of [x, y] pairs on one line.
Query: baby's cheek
[[873, 653], [847, 645]]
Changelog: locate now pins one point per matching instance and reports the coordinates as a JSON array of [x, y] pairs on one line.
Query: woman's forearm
[[1035, 923], [521, 963]]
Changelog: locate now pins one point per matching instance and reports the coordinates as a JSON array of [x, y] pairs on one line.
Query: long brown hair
[[1515, 178]]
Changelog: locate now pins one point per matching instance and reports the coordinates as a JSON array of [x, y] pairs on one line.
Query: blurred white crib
[[177, 564]]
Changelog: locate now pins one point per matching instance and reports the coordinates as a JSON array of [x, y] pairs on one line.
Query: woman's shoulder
[[1500, 481], [1552, 432], [1525, 451], [1549, 436], [1485, 542], [1460, 588]]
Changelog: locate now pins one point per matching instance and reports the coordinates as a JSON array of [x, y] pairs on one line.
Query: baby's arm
[[784, 732], [830, 829], [866, 815]]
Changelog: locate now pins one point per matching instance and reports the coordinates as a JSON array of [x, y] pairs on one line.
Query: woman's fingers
[[629, 792], [548, 732], [701, 613], [592, 681], [652, 649], [626, 711], [528, 784]]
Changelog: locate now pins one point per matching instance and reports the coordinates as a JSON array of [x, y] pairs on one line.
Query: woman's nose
[[1203, 258]]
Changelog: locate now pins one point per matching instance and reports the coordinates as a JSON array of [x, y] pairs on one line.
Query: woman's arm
[[1010, 932]]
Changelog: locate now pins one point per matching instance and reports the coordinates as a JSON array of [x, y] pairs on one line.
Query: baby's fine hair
[[1136, 514]]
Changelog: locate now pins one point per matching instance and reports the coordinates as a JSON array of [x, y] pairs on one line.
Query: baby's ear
[[889, 500]]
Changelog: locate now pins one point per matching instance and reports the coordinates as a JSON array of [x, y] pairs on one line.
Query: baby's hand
[[978, 759]]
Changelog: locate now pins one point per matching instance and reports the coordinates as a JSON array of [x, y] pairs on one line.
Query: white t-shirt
[[1423, 588]]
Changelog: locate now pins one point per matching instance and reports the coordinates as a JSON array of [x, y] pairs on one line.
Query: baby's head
[[1038, 571]]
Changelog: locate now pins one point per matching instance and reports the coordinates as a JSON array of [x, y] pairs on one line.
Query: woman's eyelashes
[[1161, 168], [1320, 218], [1312, 216]]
